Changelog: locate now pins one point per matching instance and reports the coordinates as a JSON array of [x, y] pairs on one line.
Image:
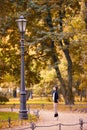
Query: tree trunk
[[69, 61], [56, 67], [83, 11], [67, 93], [70, 97], [55, 57]]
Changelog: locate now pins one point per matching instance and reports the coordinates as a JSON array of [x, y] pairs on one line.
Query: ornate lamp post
[[23, 112]]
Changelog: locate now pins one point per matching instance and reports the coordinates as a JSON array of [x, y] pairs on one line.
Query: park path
[[48, 122]]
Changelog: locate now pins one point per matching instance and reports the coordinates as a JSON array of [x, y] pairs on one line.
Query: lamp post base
[[23, 115]]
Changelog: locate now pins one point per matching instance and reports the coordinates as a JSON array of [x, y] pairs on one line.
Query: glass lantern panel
[[23, 26], [20, 24]]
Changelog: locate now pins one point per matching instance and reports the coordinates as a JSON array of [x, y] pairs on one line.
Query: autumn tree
[[10, 54], [54, 20], [55, 29]]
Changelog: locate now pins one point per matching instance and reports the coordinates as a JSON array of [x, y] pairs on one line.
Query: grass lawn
[[13, 116], [42, 100], [39, 100], [6, 115], [14, 119]]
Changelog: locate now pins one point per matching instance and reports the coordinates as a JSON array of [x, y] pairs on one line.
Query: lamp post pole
[[23, 112]]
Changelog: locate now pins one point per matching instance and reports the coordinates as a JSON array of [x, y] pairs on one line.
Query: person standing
[[55, 100]]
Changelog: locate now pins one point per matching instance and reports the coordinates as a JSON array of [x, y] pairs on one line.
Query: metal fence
[[59, 125], [33, 126]]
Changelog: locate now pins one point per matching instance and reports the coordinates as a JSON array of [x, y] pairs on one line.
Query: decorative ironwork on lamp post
[[23, 112]]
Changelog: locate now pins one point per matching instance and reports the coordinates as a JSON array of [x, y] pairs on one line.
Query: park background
[[55, 48], [55, 53]]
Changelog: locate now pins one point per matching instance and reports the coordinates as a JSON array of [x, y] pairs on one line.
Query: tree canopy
[[55, 36]]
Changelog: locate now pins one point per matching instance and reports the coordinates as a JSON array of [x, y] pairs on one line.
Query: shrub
[[49, 99], [3, 98]]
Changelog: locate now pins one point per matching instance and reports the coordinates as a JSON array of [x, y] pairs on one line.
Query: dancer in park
[[55, 100]]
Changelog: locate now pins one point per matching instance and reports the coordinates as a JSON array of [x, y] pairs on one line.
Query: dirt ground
[[47, 121]]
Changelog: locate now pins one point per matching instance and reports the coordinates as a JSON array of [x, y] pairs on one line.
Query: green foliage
[[6, 115], [14, 118]]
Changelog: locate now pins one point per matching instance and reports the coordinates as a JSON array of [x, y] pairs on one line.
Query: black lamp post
[[23, 112]]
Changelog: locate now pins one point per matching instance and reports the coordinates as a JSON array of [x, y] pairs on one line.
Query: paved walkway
[[48, 122]]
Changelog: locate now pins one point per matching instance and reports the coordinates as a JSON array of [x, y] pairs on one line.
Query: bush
[[49, 99], [3, 98]]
